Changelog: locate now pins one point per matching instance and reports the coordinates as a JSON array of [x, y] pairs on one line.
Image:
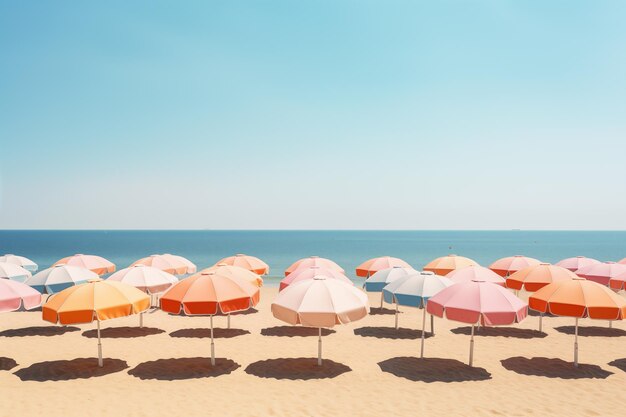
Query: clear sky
[[313, 114]]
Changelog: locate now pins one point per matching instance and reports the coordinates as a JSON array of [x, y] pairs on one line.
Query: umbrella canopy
[[507, 266], [236, 271], [303, 273], [148, 279], [320, 302], [618, 283], [579, 298], [577, 262], [447, 264], [314, 261], [57, 278], [250, 263], [380, 279], [15, 295], [476, 273], [535, 277], [172, 264], [95, 300], [623, 261], [208, 293], [371, 266], [94, 263], [478, 302], [25, 263], [603, 272], [13, 272]]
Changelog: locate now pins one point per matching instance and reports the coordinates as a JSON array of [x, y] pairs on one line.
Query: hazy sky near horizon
[[313, 115]]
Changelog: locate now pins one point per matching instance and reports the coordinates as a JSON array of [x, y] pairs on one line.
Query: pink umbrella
[[314, 261], [623, 261], [310, 272], [603, 272], [371, 266], [15, 295], [94, 263], [320, 302], [577, 262], [172, 264], [478, 303], [507, 266], [251, 263], [476, 273]]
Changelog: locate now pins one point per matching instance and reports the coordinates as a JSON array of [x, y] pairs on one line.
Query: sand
[[267, 368]]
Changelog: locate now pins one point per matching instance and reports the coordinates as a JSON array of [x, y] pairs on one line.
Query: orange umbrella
[[94, 263], [172, 264], [578, 298], [507, 266], [250, 263], [314, 261], [95, 300], [230, 271], [208, 293], [447, 264], [371, 266]]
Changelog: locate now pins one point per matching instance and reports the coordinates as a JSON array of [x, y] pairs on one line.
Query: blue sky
[[313, 115]]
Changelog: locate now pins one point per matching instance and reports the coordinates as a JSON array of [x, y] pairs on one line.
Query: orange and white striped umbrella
[[250, 263], [446, 264], [94, 263]]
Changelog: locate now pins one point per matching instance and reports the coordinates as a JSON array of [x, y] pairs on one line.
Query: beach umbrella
[[509, 265], [25, 263], [602, 272], [250, 263], [310, 272], [148, 279], [210, 293], [314, 261], [236, 271], [15, 295], [371, 266], [623, 261], [320, 302], [578, 298], [172, 264], [577, 262], [476, 273], [380, 279], [59, 277], [95, 301], [415, 291], [618, 282], [478, 303], [94, 263], [446, 264], [13, 272]]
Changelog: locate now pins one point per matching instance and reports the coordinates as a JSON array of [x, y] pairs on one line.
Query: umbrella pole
[[423, 330], [381, 300], [396, 315], [432, 325], [540, 321], [212, 345], [319, 347], [140, 319], [576, 344], [471, 358], [610, 324], [228, 320], [100, 364]]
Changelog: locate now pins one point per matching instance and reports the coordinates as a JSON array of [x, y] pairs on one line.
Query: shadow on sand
[[553, 368], [382, 311], [183, 368], [218, 333], [6, 364], [123, 332], [619, 363], [64, 370], [501, 332], [433, 370], [390, 333], [593, 331], [296, 368], [39, 331], [294, 331]]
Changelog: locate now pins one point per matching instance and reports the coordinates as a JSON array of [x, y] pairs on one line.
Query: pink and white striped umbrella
[[314, 261], [476, 273], [577, 262], [478, 303], [302, 273], [15, 295], [97, 264], [603, 272]]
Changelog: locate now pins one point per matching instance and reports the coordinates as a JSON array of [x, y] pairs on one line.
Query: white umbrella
[[60, 277], [13, 272], [25, 263]]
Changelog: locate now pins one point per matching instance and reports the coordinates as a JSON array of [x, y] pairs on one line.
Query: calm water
[[280, 248]]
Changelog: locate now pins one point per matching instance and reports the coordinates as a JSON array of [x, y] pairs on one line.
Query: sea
[[281, 248]]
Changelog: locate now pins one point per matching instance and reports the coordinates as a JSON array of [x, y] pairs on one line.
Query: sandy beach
[[266, 368]]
